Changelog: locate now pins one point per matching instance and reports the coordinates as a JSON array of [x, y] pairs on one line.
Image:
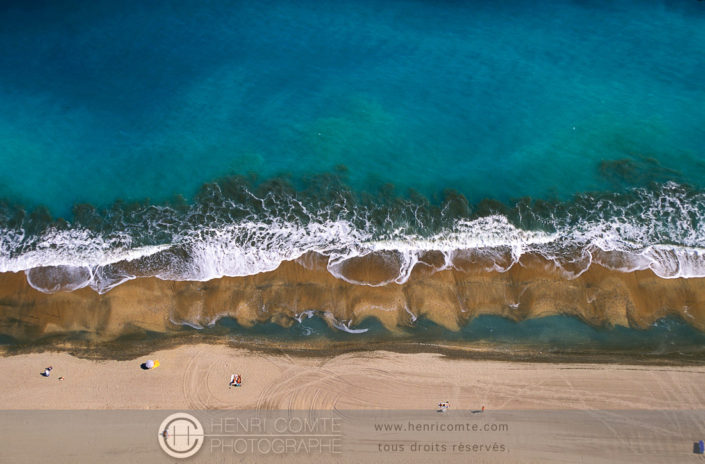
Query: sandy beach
[[580, 406], [556, 412], [196, 377]]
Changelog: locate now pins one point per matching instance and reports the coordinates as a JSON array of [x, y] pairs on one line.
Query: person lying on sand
[[47, 371], [235, 380]]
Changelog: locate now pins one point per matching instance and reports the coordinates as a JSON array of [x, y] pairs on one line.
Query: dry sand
[[196, 377], [555, 412]]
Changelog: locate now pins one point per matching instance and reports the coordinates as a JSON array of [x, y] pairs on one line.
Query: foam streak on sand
[[271, 253], [450, 298]]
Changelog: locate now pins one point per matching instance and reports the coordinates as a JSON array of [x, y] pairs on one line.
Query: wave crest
[[235, 229]]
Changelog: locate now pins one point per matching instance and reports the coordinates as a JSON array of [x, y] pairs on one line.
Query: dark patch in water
[[635, 171]]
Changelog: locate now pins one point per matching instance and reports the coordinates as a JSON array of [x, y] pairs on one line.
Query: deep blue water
[[130, 100]]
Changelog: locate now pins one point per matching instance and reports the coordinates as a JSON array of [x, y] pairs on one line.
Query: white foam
[[342, 325], [304, 315], [672, 262], [251, 248], [73, 247], [254, 247], [637, 235], [56, 279], [487, 233], [413, 316], [192, 324]]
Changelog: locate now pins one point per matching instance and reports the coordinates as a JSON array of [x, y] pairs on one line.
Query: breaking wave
[[236, 228]]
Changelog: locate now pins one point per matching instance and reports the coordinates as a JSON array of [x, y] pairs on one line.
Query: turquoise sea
[[211, 138]]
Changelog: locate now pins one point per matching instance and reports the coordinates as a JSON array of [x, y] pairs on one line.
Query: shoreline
[[532, 289], [123, 351]]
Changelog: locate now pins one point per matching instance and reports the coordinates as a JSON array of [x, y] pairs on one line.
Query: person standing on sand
[[47, 371]]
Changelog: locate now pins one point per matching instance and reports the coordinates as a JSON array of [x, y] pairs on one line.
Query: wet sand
[[450, 298]]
